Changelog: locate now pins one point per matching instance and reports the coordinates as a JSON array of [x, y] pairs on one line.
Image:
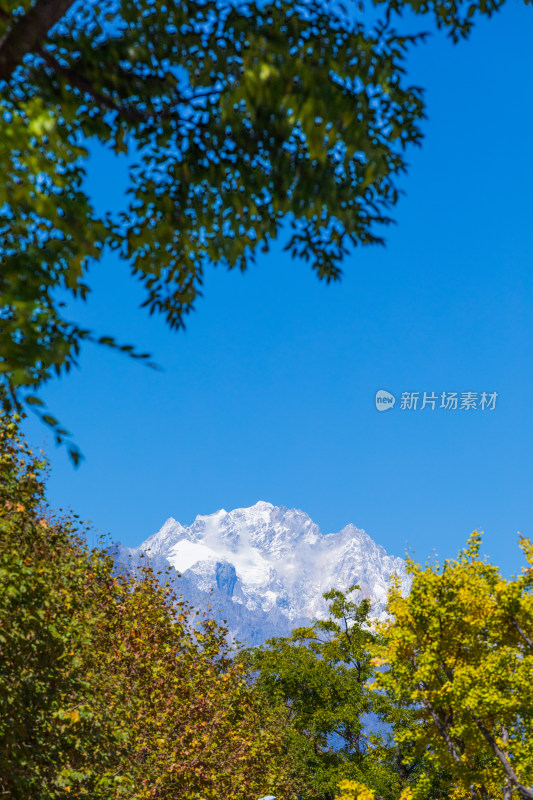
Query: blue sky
[[269, 394]]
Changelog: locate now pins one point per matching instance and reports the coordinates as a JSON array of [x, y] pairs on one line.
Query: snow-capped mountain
[[264, 568]]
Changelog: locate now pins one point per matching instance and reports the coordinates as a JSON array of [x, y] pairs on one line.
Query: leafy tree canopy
[[237, 120], [110, 687], [319, 675], [459, 652], [448, 674]]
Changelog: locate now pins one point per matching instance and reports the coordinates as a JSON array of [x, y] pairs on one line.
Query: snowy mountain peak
[[272, 563]]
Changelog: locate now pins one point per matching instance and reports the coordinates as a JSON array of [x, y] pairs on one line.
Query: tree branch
[[521, 632], [79, 82], [508, 786], [524, 792], [442, 730], [29, 32]]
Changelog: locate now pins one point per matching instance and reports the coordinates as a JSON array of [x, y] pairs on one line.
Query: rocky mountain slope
[[264, 568]]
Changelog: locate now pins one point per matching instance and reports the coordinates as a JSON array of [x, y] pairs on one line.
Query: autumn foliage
[[458, 651], [448, 676], [112, 687], [109, 685]]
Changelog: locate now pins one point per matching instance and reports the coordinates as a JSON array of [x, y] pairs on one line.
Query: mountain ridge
[[264, 568]]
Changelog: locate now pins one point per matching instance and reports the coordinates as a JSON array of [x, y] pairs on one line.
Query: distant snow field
[[264, 568]]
